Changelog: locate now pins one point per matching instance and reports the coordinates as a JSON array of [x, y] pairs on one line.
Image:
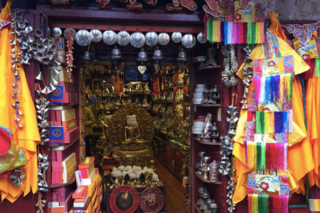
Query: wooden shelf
[[208, 143], [208, 105], [137, 94], [64, 104], [206, 181], [208, 68], [73, 179], [64, 146]]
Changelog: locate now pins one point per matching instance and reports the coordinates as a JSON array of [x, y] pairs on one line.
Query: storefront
[[106, 108]]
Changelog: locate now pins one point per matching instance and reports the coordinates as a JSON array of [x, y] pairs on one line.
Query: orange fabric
[[300, 160], [275, 26], [28, 137], [313, 116]]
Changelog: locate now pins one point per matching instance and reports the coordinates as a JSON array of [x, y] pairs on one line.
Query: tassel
[[290, 119], [271, 123], [285, 122], [273, 156], [257, 84], [245, 33], [249, 33], [268, 157], [241, 33], [257, 33], [279, 156], [277, 123], [209, 30], [222, 30], [263, 203], [250, 151], [317, 69], [218, 31], [234, 33], [276, 203], [266, 122], [226, 32], [263, 157], [285, 156], [261, 32], [255, 203], [253, 28], [266, 91], [281, 90], [250, 203], [258, 160], [270, 202], [283, 202], [258, 122], [230, 28], [273, 87], [213, 32]]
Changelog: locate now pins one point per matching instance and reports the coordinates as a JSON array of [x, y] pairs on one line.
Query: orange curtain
[[28, 137]]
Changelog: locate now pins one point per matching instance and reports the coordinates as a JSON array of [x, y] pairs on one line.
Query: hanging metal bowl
[[56, 32], [176, 37], [109, 37], [83, 37], [188, 41], [201, 39], [151, 39], [66, 33], [164, 38], [137, 40], [123, 38], [95, 35]]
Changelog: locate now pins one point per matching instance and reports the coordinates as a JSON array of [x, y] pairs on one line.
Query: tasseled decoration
[[266, 122], [271, 123], [250, 203], [276, 203], [279, 155], [273, 156], [250, 151], [268, 157], [262, 89], [317, 67], [255, 203], [288, 84], [263, 203], [282, 86], [277, 122], [263, 157], [270, 203], [258, 160], [258, 122], [290, 118], [285, 156], [246, 147], [284, 200], [266, 90], [235, 32]]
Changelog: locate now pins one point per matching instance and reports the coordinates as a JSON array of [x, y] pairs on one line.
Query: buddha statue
[[179, 82], [97, 90], [88, 90], [132, 131]]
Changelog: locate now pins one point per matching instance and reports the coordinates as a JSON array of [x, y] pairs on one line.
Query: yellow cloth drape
[[28, 137], [300, 160], [313, 115], [275, 26]]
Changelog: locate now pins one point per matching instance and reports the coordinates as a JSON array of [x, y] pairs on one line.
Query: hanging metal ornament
[[123, 38], [56, 32], [95, 35], [201, 38], [137, 39], [66, 33], [188, 41], [83, 37], [109, 37], [164, 38], [151, 39], [176, 37]]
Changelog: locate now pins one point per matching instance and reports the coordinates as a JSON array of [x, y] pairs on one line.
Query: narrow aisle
[[175, 197]]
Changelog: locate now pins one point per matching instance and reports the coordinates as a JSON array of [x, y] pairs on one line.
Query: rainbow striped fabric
[[235, 32]]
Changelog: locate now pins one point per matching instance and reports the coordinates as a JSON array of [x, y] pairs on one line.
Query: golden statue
[[131, 129]]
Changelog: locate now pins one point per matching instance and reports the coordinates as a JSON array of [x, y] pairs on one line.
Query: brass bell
[[86, 56], [38, 33], [182, 56], [115, 53], [142, 56], [157, 54]]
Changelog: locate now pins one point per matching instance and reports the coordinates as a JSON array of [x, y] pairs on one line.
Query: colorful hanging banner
[[235, 32], [267, 184], [260, 203], [266, 156]]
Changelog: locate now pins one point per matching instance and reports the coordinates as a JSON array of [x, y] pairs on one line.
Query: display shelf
[[64, 146], [137, 94], [207, 181], [207, 105], [64, 104], [208, 68], [208, 143], [72, 180]]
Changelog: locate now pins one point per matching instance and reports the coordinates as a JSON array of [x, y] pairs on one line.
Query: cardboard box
[[60, 97], [57, 135], [59, 42]]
